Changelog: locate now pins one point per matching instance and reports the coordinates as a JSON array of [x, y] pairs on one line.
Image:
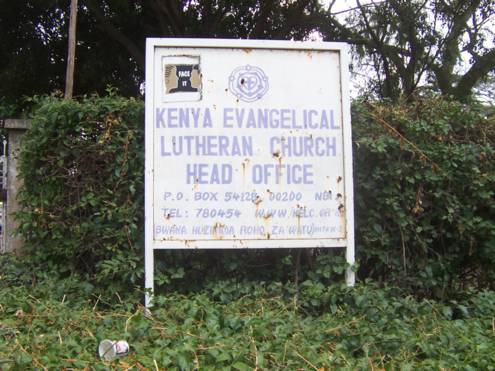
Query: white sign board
[[248, 145]]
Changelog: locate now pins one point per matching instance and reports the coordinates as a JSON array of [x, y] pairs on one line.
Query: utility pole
[[71, 57]]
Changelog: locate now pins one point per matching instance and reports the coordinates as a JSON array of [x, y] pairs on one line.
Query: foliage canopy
[[402, 46], [406, 45]]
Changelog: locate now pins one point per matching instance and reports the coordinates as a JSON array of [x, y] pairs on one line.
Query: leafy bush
[[424, 190], [424, 197], [82, 165]]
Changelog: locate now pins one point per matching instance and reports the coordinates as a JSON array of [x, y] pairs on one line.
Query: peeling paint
[[278, 156], [216, 226], [191, 244]]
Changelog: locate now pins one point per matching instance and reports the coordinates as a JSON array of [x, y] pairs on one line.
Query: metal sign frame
[[153, 45]]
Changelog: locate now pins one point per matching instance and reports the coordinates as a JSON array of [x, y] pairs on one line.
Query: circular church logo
[[248, 83]]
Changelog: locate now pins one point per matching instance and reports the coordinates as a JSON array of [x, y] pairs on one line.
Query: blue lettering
[[207, 121], [332, 123], [195, 112], [282, 174], [263, 118], [227, 118], [172, 118], [251, 120], [184, 117], [307, 146], [222, 145], [286, 118], [274, 121], [239, 113], [162, 146], [209, 174], [252, 230], [159, 117], [170, 230]]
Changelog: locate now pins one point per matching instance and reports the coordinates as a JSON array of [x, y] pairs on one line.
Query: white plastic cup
[[109, 350]]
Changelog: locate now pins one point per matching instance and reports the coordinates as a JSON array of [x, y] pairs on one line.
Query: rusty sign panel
[[248, 145]]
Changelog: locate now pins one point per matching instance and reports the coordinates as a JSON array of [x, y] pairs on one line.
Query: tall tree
[[447, 44], [32, 49], [112, 34]]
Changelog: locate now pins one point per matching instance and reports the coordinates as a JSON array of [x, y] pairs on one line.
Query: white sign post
[[248, 145]]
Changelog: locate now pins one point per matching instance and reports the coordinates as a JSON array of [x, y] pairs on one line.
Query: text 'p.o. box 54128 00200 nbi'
[[248, 145]]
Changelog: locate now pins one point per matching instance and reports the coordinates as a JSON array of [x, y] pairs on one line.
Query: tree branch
[[172, 14], [117, 35], [478, 70], [450, 47], [261, 23], [385, 51]]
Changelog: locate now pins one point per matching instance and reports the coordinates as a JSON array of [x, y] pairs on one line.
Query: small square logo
[[181, 78]]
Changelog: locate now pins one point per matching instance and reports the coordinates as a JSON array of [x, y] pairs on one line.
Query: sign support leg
[[350, 275], [149, 271]]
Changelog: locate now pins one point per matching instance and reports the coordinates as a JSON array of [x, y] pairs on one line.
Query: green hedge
[[424, 186], [82, 166]]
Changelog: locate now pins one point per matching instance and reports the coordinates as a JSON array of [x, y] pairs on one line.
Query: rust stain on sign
[[216, 227], [266, 228], [196, 185], [258, 200], [244, 165], [278, 156], [269, 193], [190, 244]]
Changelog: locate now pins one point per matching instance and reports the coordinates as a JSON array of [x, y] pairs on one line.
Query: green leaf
[[241, 366]]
